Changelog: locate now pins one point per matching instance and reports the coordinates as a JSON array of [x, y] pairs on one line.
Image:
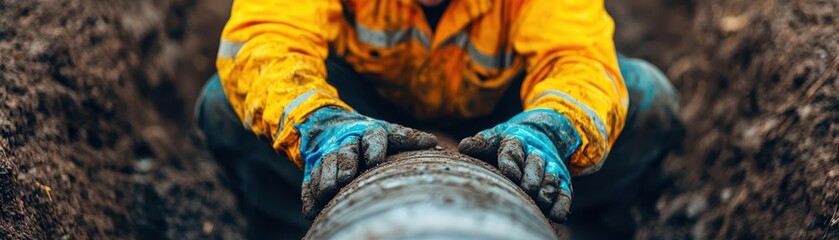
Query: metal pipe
[[431, 194]]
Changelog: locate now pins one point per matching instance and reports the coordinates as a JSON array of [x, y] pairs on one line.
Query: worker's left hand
[[531, 150]]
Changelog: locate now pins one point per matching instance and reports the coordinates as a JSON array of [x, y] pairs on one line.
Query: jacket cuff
[[287, 138], [594, 148]]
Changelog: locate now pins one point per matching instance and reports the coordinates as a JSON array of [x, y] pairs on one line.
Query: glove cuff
[[288, 138], [594, 138]]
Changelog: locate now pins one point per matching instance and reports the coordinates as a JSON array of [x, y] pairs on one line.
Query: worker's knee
[[213, 113], [651, 130], [269, 183], [651, 95]]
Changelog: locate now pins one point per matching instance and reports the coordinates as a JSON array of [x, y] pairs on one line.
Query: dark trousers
[[269, 184]]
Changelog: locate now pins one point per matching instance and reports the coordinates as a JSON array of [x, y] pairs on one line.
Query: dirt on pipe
[[447, 196]]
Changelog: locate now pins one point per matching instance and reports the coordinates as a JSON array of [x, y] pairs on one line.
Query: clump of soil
[[95, 100], [760, 101]]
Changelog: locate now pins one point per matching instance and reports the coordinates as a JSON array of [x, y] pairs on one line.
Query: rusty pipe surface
[[431, 194]]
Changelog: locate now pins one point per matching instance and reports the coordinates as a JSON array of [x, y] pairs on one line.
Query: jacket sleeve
[[572, 68], [271, 65]]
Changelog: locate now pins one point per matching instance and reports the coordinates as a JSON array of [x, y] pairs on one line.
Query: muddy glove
[[531, 149], [335, 143]]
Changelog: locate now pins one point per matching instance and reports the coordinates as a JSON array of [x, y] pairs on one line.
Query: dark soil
[[95, 100], [760, 100]]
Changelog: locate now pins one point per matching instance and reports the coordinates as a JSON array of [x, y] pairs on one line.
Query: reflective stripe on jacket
[[271, 62]]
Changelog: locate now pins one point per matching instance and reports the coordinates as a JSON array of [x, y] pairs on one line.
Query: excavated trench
[[96, 98]]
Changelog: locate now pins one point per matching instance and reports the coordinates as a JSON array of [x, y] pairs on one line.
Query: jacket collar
[[457, 16]]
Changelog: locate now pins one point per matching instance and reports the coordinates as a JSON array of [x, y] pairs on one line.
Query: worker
[[534, 87]]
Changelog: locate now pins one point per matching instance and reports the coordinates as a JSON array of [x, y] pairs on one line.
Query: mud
[[311, 208], [760, 101], [372, 144], [404, 138], [95, 104], [348, 164]]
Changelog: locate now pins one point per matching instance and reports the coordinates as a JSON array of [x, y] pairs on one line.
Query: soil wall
[[760, 100], [95, 104]]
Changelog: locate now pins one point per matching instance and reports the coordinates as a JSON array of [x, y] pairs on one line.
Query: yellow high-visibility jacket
[[272, 52]]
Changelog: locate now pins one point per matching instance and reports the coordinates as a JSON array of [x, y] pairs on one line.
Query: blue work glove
[[335, 143], [531, 149]]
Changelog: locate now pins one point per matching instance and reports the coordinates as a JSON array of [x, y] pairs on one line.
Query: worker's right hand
[[336, 143]]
